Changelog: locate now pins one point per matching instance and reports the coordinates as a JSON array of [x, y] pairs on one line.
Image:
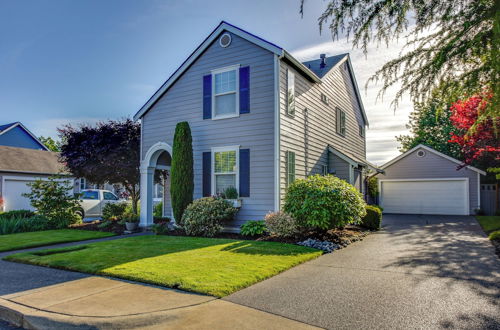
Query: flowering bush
[[281, 224], [324, 202], [205, 216]]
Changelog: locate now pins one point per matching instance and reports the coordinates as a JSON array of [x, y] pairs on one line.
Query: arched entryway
[[158, 158]]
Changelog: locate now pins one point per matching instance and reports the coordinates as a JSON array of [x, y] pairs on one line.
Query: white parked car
[[93, 201]]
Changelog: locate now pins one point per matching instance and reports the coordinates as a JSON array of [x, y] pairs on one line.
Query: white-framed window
[[83, 184], [225, 168], [290, 167], [225, 92], [290, 94], [341, 122]]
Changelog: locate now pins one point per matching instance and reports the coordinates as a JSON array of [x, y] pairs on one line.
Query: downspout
[[277, 133]]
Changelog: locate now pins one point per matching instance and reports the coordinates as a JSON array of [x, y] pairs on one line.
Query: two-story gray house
[[259, 119]]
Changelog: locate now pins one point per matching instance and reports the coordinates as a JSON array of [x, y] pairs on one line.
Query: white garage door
[[425, 197], [13, 198]]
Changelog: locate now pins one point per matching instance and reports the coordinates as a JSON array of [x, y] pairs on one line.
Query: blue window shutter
[[245, 89], [207, 174], [207, 96], [244, 172]]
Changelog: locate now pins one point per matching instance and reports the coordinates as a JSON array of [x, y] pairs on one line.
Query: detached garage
[[19, 166], [425, 181]]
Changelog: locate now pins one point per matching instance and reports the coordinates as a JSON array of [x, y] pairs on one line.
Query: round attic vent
[[421, 153], [225, 40]]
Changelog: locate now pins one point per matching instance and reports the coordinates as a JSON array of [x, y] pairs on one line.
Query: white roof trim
[[345, 158], [301, 66], [223, 26], [27, 131], [421, 146]]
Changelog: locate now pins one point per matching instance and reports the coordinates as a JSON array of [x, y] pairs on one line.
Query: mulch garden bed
[[339, 237]]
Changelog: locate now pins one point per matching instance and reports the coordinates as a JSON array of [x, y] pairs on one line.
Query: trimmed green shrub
[[495, 236], [113, 211], [373, 218], [281, 224], [158, 210], [17, 214], [160, 228], [181, 171], [51, 199], [324, 202], [129, 208], [378, 207], [205, 216], [253, 228], [372, 186]]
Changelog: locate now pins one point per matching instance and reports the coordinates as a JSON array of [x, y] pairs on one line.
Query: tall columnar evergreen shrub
[[181, 180]]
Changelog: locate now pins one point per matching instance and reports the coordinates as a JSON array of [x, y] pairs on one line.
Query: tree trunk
[[134, 196]]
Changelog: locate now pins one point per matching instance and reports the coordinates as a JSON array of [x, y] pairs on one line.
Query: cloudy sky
[[83, 61]]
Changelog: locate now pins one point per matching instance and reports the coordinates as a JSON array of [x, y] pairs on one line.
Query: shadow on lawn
[[97, 257]]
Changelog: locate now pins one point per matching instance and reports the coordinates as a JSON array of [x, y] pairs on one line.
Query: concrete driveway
[[422, 272]]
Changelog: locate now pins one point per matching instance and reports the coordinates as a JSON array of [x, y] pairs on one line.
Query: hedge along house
[[259, 119]]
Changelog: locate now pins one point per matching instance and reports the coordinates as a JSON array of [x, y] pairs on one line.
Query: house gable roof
[[273, 48], [7, 127], [32, 161], [421, 146]]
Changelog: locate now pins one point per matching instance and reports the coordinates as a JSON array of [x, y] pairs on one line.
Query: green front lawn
[[490, 225], [211, 266], [46, 237]]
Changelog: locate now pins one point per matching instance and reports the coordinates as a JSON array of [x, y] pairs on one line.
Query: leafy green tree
[[181, 171], [453, 44], [430, 125], [50, 143], [53, 199]]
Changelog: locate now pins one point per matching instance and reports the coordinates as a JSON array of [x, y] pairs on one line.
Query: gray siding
[[340, 166], [430, 167], [310, 132], [255, 131]]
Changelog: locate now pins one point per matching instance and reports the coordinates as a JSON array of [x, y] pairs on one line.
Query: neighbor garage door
[[13, 198], [425, 196]]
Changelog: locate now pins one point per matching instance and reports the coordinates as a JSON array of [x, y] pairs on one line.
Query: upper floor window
[[290, 95], [341, 122], [225, 92], [362, 130], [290, 167], [225, 168]]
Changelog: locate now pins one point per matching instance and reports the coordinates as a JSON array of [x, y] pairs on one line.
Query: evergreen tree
[[181, 171], [452, 44]]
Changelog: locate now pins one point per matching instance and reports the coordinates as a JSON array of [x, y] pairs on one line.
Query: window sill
[[226, 116]]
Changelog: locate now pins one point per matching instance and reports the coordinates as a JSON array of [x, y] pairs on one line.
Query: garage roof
[[23, 160], [421, 146]]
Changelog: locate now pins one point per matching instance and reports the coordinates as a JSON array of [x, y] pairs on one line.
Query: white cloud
[[385, 123]]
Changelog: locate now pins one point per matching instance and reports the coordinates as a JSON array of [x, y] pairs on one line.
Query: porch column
[[146, 196]]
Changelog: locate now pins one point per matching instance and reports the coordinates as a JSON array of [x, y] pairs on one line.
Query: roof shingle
[[22, 160]]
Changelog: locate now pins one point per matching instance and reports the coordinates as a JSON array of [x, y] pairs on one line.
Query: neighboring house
[[16, 135], [425, 181], [259, 119], [19, 166]]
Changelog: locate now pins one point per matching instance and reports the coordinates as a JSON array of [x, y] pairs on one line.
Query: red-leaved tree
[[481, 144]]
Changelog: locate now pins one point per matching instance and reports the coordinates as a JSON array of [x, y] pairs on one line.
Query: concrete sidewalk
[[102, 303], [35, 297]]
